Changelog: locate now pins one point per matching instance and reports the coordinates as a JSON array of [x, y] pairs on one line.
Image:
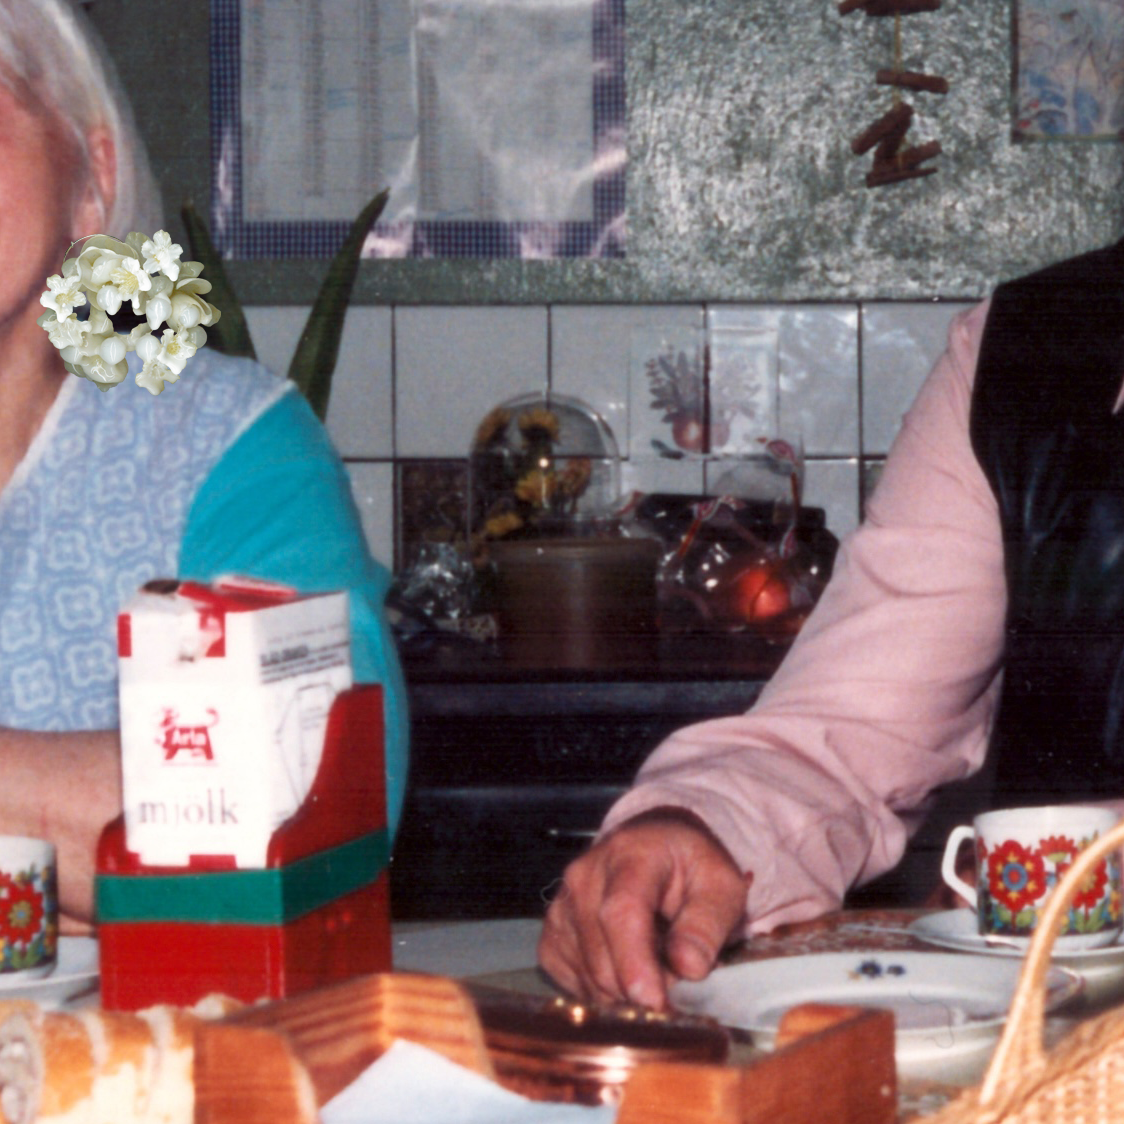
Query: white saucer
[[949, 1008], [1102, 969], [75, 975], [956, 928]]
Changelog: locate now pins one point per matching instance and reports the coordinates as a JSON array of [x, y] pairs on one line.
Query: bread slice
[[118, 1067], [89, 1067], [46, 1066], [125, 1063]]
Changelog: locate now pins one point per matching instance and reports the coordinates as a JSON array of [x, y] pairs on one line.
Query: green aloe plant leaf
[[314, 360], [231, 335]]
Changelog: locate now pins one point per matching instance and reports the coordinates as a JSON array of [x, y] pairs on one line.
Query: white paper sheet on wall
[[327, 107], [476, 113], [506, 112]]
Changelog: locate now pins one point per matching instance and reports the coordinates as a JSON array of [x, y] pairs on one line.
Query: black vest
[[1051, 367]]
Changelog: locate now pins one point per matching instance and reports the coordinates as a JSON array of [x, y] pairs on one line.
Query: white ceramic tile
[[744, 391], [275, 330], [667, 399], [900, 343], [834, 486], [360, 410], [360, 416], [372, 485], [662, 474], [770, 478], [452, 365], [817, 368], [590, 352]]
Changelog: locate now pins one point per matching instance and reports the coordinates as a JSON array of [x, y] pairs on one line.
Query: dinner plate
[[948, 1007], [75, 976], [1102, 969]]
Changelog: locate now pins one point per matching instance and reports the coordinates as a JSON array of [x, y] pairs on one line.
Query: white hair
[[52, 57]]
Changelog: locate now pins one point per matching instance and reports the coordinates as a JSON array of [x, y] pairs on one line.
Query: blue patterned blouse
[[227, 471]]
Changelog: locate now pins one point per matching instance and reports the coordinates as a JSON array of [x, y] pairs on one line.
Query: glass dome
[[542, 465]]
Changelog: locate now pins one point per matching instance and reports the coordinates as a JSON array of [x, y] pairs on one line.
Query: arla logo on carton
[[225, 693]]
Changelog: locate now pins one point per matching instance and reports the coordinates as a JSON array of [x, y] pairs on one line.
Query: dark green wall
[[742, 185]]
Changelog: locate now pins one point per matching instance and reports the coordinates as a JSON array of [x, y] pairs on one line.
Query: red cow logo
[[186, 744]]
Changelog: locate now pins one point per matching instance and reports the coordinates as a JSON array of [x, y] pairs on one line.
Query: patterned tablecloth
[[885, 930]]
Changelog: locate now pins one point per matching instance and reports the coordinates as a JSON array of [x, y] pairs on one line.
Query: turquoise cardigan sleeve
[[278, 506]]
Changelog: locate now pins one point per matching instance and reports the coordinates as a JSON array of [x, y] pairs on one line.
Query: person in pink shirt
[[892, 689]]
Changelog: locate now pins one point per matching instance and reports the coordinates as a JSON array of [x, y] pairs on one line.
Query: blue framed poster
[[499, 127]]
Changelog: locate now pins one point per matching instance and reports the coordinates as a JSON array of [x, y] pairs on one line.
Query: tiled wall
[[412, 383]]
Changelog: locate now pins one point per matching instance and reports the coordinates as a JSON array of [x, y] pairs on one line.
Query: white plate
[[75, 975], [1102, 969], [948, 1007], [956, 928]]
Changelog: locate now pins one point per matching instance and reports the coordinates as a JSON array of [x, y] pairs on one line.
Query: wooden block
[[888, 7], [900, 7], [682, 1093], [835, 1066], [912, 80], [844, 1073], [247, 1075], [893, 123], [811, 1018], [337, 1032]]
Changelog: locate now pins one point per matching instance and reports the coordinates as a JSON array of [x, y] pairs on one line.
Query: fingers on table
[[599, 939], [603, 932]]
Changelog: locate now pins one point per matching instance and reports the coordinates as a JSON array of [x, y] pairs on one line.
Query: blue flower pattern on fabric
[[99, 507]]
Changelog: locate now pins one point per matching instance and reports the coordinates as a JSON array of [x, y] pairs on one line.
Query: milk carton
[[225, 692]]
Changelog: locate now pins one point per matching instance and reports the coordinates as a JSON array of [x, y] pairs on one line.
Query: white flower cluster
[[148, 273]]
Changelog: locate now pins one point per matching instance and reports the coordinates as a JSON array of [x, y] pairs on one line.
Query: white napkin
[[411, 1084]]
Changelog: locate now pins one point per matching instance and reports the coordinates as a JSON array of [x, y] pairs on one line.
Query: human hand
[[653, 901]]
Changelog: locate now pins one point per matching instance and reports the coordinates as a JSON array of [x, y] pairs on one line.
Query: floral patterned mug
[[29, 912], [1021, 853]]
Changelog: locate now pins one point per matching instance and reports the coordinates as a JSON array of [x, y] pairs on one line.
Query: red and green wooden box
[[318, 912]]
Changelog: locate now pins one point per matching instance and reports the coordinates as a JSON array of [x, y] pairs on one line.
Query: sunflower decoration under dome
[[541, 465], [145, 273]]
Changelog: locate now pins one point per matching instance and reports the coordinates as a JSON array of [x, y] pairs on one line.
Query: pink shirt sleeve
[[888, 691]]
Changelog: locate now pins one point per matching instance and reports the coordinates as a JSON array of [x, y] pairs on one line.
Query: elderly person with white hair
[[226, 472]]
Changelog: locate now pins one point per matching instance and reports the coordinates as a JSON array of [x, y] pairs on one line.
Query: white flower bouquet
[[149, 274], [146, 272]]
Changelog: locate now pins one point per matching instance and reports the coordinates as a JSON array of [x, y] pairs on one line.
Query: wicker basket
[[1080, 1081]]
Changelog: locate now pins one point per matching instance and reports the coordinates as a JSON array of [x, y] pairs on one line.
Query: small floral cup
[[1021, 854], [29, 912]]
